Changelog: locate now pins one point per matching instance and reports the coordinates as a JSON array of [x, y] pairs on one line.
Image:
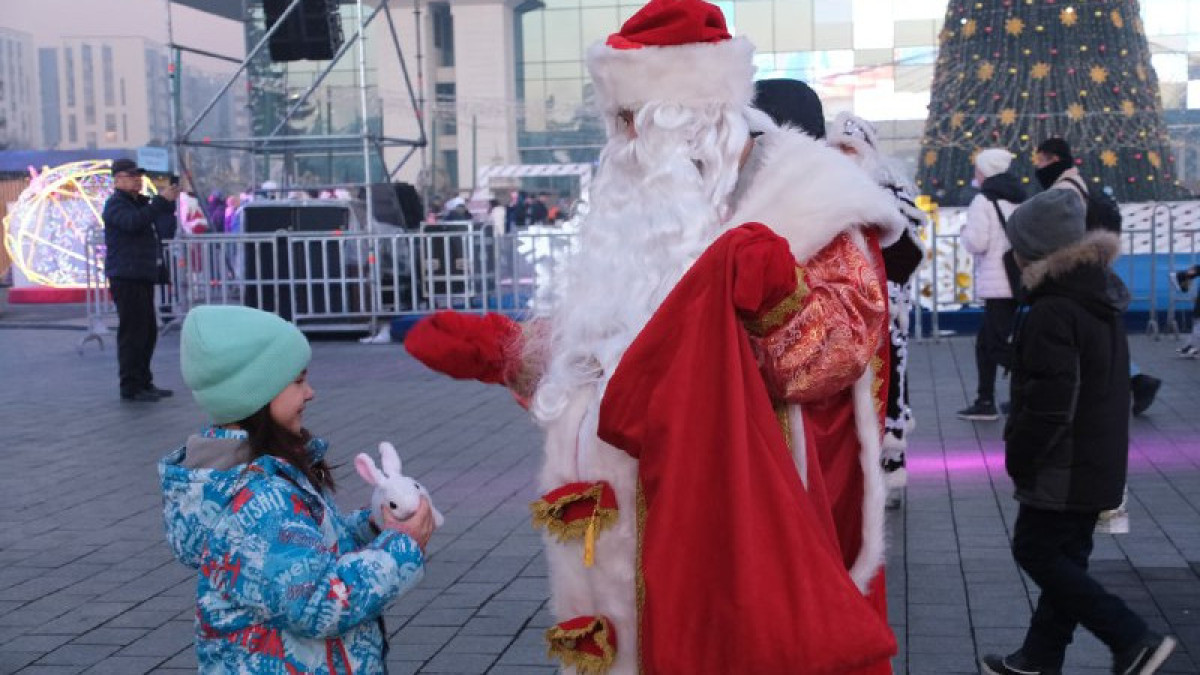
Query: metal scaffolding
[[364, 137]]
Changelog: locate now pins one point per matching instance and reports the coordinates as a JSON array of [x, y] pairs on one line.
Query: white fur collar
[[809, 193]]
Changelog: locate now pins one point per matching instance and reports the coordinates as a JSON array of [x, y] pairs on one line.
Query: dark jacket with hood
[[1067, 436], [134, 226]]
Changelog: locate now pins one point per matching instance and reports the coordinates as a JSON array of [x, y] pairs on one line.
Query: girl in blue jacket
[[286, 583]]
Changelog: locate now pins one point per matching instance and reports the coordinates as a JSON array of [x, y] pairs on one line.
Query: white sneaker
[[1180, 282], [1115, 521], [1188, 351], [384, 336]]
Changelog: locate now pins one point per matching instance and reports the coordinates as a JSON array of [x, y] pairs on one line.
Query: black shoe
[[1180, 280], [1143, 388], [161, 393], [1145, 657], [141, 397], [1014, 664], [982, 410]]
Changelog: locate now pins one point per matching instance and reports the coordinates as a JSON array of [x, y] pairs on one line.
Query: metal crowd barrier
[[348, 282], [1156, 238], [98, 303], [352, 282]]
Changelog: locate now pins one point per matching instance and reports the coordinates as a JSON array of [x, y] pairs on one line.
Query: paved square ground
[[87, 583]]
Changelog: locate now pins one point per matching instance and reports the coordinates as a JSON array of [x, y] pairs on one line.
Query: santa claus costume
[[857, 138], [710, 391]]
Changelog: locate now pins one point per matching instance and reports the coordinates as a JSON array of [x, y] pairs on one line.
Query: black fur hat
[[791, 102]]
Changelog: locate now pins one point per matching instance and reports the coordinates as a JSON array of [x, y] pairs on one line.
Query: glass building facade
[[872, 57]]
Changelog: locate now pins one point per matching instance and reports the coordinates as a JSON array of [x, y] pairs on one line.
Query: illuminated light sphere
[[46, 232]]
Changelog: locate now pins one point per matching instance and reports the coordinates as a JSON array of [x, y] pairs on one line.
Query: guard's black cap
[[126, 166]]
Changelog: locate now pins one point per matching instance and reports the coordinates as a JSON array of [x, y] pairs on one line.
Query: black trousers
[[992, 346], [1053, 548], [137, 333]]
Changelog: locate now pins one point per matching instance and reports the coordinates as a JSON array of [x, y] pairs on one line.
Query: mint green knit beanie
[[237, 359]]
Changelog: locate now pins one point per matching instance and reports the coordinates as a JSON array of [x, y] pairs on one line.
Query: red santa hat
[[672, 50]]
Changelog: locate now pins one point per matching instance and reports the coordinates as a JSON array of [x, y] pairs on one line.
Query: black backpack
[[1103, 213]]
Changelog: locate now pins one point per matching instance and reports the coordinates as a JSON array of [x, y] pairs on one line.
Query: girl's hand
[[419, 526]]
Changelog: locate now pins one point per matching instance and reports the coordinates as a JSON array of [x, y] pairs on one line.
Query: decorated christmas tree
[[1011, 73]]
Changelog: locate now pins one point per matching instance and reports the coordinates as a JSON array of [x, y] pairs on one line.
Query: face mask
[[1050, 173]]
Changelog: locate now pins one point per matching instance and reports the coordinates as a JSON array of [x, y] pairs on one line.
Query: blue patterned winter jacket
[[286, 584]]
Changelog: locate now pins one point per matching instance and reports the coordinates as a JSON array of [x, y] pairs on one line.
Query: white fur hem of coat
[[870, 554]]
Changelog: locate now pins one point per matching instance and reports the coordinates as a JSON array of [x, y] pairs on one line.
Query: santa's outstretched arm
[[491, 348]]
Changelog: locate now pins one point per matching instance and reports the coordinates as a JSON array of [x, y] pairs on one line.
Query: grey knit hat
[[1046, 222]]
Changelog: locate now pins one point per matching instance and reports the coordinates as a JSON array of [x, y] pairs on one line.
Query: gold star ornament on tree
[[1008, 117], [1040, 70], [1068, 17], [1075, 112], [1014, 26], [986, 71], [1108, 158], [1098, 74]]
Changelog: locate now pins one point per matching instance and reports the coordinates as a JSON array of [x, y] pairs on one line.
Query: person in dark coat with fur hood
[[1067, 436]]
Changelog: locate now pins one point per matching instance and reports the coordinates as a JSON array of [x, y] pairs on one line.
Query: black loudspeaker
[[269, 269], [312, 31], [310, 217], [410, 205], [396, 204]]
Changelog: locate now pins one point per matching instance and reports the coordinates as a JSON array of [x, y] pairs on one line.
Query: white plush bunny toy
[[394, 491]]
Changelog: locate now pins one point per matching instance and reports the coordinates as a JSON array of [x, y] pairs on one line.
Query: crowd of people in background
[[222, 214], [520, 210]]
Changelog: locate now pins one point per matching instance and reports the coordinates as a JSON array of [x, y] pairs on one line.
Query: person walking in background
[[1066, 443], [538, 213], [1181, 281], [134, 227], [1056, 171], [216, 212], [498, 215], [856, 138], [285, 581], [983, 236]]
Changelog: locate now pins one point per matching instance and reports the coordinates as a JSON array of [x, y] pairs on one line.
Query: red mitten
[[467, 346], [764, 270]]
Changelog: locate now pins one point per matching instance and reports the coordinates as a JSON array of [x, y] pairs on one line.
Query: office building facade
[[872, 57]]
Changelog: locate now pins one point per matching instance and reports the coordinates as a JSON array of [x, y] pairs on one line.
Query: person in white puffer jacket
[[983, 236]]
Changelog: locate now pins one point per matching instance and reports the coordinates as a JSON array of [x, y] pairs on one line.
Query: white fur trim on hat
[[850, 129], [691, 74], [993, 161]]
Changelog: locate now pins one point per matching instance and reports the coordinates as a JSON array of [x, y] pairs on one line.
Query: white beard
[[651, 215]]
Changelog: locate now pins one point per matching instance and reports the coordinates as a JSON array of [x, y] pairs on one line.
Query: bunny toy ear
[[389, 459], [366, 468]]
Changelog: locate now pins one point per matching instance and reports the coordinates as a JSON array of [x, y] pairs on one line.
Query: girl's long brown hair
[[267, 437]]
